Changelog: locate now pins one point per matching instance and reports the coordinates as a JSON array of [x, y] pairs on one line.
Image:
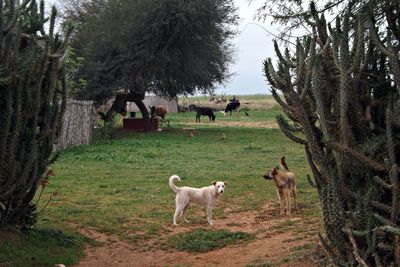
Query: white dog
[[206, 196]]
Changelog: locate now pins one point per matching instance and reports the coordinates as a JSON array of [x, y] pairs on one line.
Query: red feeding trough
[[137, 124]]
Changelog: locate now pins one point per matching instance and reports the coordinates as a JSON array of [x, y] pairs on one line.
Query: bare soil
[[275, 243]]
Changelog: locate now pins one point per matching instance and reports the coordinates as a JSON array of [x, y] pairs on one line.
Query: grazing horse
[[204, 111], [158, 111], [232, 106], [192, 108]]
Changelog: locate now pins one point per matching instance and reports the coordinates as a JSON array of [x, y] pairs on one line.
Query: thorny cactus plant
[[340, 92], [32, 101]]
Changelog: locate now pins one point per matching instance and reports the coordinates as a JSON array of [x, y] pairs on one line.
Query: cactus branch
[[355, 248], [357, 155]]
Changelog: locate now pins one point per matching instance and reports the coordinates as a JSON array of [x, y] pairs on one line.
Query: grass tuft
[[203, 240]]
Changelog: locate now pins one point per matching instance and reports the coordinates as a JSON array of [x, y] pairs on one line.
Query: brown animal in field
[[158, 111]]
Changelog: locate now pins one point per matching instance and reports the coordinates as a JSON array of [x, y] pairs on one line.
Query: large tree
[[32, 101], [341, 90], [167, 47]]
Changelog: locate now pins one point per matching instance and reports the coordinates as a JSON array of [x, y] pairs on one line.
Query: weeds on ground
[[203, 240]]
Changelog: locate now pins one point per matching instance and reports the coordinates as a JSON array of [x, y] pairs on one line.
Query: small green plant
[[203, 240], [106, 129], [306, 246]]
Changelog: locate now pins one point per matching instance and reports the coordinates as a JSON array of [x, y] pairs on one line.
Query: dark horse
[[232, 106], [204, 111], [192, 108]]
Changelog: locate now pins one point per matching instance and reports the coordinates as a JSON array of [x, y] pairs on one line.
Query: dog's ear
[[225, 183], [214, 183]]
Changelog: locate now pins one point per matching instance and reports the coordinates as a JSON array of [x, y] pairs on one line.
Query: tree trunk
[[118, 106], [145, 114], [137, 97]]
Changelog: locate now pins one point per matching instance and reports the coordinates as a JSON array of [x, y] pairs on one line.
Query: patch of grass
[[257, 117], [42, 247], [299, 237], [261, 263], [287, 223], [294, 257], [306, 246], [202, 240]]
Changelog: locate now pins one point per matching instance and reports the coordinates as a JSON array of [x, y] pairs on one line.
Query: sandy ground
[[269, 246]]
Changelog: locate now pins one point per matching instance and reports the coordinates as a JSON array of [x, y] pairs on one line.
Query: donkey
[[204, 111]]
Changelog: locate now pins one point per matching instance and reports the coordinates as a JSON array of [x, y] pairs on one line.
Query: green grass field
[[120, 186]]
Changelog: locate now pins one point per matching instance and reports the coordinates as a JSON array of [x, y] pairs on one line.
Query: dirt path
[[274, 243]]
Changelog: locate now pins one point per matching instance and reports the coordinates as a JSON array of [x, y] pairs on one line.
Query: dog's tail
[[172, 185], [283, 164]]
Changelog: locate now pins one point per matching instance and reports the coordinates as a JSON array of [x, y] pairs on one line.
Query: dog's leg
[[295, 197], [289, 204], [279, 196], [285, 205], [281, 204], [177, 212], [209, 215], [184, 213], [175, 216], [179, 209]]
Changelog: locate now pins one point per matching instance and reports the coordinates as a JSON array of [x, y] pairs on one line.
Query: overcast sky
[[253, 45]]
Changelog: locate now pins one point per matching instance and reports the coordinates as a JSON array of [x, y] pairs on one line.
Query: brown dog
[[286, 185]]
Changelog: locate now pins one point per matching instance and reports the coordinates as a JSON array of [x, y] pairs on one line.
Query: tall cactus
[[32, 101], [341, 90]]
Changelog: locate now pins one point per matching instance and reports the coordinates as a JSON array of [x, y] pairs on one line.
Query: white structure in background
[[151, 100]]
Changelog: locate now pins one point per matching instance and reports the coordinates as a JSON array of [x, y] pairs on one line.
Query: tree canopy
[[168, 47]]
